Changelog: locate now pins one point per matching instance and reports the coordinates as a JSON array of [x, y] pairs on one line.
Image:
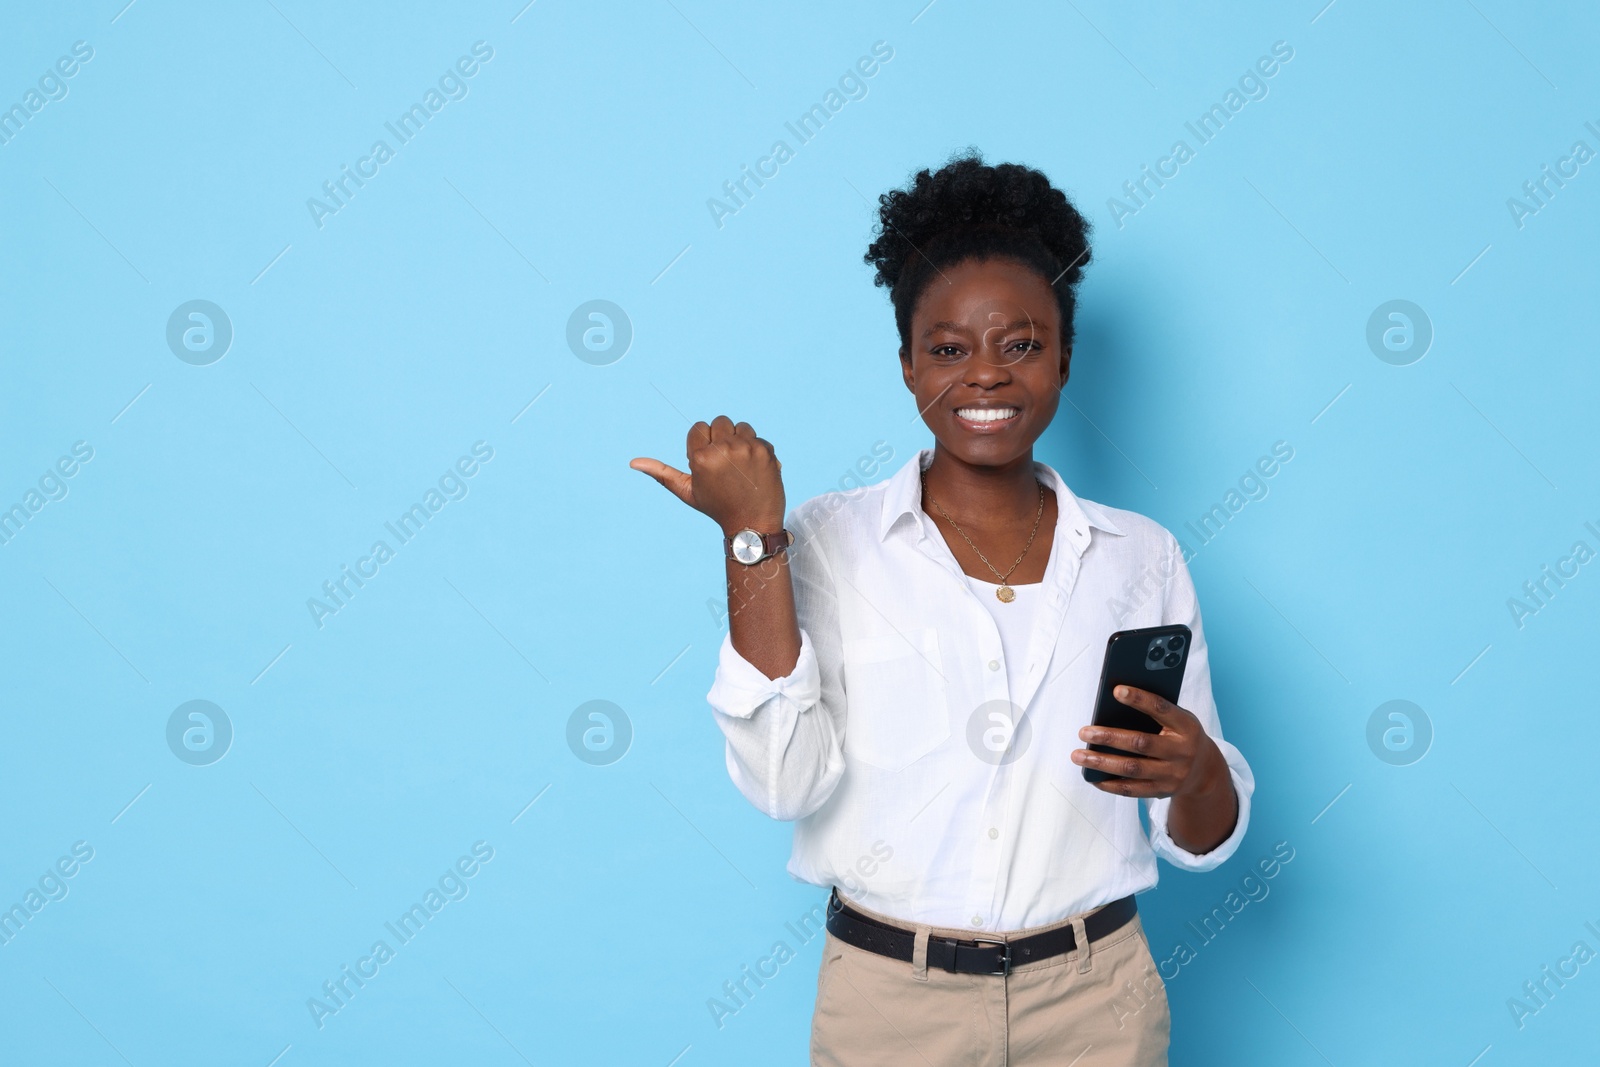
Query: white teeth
[[986, 414]]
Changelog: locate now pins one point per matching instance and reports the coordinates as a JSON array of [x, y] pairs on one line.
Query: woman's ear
[[905, 370], [1066, 364]]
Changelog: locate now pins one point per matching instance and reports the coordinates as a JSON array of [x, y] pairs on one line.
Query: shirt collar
[[903, 497]]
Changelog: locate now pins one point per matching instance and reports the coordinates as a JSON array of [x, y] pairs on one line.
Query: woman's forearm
[[761, 613], [1201, 820]]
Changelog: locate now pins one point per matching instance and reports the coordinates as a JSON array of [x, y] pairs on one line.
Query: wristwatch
[[750, 547]]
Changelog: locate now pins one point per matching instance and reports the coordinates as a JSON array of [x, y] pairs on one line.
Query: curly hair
[[970, 210]]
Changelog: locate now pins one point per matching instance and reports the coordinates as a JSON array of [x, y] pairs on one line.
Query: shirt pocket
[[897, 698]]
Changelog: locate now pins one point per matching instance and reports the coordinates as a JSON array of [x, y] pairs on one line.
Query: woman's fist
[[734, 477]]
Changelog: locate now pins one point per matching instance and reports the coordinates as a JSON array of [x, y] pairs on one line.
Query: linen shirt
[[1015, 622], [883, 743]]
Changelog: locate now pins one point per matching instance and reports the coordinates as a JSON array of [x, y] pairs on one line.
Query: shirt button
[[993, 833], [994, 665], [977, 920]]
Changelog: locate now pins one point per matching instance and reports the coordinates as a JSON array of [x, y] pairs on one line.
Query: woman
[[910, 669]]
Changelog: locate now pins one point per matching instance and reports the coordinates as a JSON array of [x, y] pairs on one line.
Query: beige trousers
[[1106, 1007]]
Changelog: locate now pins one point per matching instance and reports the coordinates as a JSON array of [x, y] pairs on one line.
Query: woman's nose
[[990, 367]]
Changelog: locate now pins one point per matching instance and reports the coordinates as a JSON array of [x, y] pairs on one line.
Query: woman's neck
[[984, 496]]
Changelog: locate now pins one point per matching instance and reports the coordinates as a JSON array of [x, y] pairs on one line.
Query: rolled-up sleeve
[[785, 735], [1182, 606], [740, 688]]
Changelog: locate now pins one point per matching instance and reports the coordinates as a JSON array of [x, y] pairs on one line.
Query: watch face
[[747, 546]]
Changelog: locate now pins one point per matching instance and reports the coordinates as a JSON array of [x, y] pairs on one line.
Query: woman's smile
[[987, 418]]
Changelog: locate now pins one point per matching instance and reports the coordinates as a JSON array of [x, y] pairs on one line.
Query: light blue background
[[370, 753]]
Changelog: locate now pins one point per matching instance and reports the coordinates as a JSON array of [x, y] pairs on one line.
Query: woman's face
[[984, 359]]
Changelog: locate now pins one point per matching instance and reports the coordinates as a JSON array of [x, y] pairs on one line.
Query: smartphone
[[1152, 659]]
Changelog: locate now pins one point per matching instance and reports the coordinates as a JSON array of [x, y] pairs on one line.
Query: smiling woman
[[875, 685]]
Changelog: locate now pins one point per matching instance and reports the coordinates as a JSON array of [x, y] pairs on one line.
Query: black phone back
[[1152, 659]]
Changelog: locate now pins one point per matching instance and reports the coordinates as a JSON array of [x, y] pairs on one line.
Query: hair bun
[[969, 209]]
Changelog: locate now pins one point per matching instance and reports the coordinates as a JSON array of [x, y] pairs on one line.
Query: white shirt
[[1015, 621], [865, 743]]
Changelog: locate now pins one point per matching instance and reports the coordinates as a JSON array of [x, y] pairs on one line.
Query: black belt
[[978, 956]]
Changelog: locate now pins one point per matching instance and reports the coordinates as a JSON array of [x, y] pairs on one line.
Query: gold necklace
[[1005, 594]]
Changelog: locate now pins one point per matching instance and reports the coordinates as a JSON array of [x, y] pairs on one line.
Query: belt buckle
[[1005, 954]]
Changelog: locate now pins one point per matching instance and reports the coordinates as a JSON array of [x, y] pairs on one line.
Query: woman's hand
[[1182, 762], [1181, 759], [734, 477]]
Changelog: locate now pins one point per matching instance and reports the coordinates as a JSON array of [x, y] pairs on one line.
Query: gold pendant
[[1005, 594]]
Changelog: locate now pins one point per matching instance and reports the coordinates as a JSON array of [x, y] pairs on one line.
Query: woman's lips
[[986, 419]]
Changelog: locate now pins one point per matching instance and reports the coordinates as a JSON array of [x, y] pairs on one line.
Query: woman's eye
[[1027, 345], [946, 351]]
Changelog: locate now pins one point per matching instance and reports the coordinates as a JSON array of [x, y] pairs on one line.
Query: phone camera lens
[[1175, 642], [1155, 653], [1172, 659]]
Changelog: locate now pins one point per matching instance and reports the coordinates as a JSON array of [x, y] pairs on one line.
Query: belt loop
[[919, 954], [1081, 935]]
